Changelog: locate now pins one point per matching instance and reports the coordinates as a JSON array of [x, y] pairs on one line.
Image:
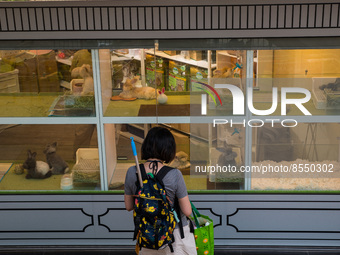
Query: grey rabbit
[[335, 86], [227, 157], [36, 169], [56, 162]]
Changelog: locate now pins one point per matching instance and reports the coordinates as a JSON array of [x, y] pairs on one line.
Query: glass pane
[[191, 73], [119, 156], [128, 89], [230, 70], [315, 71], [175, 97], [125, 157], [49, 157], [216, 154], [180, 77], [46, 83], [305, 157], [198, 147]]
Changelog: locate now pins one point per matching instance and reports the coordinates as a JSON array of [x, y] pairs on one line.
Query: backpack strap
[[171, 247], [191, 225], [160, 175], [137, 218], [180, 223], [144, 175], [142, 170]]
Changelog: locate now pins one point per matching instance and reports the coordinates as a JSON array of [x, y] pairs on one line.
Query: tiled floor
[[127, 251]]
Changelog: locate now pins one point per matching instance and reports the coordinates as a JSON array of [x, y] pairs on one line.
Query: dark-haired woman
[[159, 148]]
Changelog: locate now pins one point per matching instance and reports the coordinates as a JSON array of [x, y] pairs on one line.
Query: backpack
[[154, 218]]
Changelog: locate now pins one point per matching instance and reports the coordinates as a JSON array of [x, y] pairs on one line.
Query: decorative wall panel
[[239, 219]]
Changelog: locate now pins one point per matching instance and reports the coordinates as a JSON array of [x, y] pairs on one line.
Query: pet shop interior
[[132, 90]]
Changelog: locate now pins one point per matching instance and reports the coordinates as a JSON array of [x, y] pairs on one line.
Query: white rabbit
[[88, 86], [162, 98]]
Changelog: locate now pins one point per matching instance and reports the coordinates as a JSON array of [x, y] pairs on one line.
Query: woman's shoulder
[[131, 168], [131, 171], [174, 172]]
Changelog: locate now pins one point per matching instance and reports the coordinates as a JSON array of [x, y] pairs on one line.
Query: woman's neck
[[148, 164]]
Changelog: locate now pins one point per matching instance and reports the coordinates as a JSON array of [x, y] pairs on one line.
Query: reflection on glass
[[180, 77], [41, 83], [225, 69], [323, 100], [49, 157], [315, 70], [119, 156], [305, 157], [216, 155], [192, 150]]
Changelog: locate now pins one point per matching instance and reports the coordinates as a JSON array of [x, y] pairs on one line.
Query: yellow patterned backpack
[[154, 217]]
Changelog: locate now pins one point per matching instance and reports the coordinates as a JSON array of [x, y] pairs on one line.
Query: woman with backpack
[[154, 215]]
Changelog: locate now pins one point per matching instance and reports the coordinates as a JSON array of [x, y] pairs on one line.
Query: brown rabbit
[[131, 91]]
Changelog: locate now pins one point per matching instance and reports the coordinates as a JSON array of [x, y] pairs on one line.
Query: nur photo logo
[[239, 103], [239, 99]]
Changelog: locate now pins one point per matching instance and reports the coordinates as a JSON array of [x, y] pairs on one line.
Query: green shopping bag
[[204, 233]]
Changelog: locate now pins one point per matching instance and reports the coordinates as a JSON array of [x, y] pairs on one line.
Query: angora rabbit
[[85, 71], [130, 91]]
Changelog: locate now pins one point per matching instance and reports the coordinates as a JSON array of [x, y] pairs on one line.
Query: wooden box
[[170, 52], [196, 55]]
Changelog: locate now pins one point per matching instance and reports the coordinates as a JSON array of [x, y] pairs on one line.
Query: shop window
[[201, 96], [152, 82], [305, 157], [313, 69], [194, 156], [49, 157], [46, 83]]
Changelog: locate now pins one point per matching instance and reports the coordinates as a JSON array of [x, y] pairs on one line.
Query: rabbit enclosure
[[15, 140]]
